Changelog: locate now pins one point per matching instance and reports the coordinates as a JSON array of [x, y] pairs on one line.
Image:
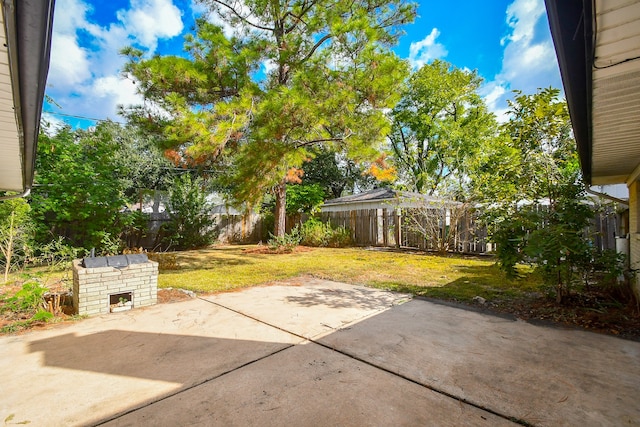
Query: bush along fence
[[230, 228]]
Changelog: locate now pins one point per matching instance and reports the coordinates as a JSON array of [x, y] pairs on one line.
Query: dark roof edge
[[398, 196], [571, 24], [346, 202], [29, 25]]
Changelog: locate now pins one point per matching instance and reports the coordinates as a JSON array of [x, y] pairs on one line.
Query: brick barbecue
[[109, 284]]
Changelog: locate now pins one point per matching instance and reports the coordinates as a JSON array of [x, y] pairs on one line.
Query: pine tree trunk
[[281, 213]]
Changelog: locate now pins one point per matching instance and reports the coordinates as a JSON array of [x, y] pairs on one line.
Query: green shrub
[[109, 244], [191, 224], [316, 233], [340, 238], [42, 316], [29, 298], [286, 243], [15, 234], [58, 253], [606, 269]]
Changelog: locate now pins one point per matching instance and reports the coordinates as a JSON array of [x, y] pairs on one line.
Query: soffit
[[616, 90], [11, 166]]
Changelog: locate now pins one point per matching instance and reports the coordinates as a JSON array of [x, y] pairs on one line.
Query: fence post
[[398, 230]]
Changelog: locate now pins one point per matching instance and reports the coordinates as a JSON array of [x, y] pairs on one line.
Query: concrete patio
[[312, 352]]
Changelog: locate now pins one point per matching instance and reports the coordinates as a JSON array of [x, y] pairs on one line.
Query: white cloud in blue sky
[[84, 76], [84, 73], [426, 50], [529, 59]]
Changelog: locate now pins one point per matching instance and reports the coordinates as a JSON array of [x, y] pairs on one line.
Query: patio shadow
[[155, 356]]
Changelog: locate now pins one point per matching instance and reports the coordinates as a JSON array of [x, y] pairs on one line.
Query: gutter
[[606, 196], [25, 193], [571, 25], [28, 27]]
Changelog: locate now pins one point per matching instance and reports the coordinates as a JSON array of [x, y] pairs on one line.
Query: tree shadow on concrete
[[154, 356], [355, 297]]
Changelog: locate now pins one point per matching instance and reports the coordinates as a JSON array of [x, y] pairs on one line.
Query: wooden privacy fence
[[374, 227], [395, 228], [386, 227], [249, 228]]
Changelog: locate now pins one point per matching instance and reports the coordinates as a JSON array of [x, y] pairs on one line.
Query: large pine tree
[[296, 74]]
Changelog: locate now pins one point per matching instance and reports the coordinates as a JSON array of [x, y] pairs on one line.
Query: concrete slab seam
[[382, 368], [182, 390]]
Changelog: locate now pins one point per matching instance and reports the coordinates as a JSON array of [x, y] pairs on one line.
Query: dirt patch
[[268, 251], [170, 295], [595, 311], [9, 290]]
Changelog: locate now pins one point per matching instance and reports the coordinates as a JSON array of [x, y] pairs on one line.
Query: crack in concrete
[[192, 386], [342, 352], [382, 368]]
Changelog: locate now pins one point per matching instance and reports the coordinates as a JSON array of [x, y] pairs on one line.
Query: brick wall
[[92, 286]]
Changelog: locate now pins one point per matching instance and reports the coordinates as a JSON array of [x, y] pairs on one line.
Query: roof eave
[[570, 22], [28, 27]]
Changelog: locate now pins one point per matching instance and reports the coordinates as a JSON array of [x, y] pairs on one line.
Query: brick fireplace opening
[[104, 285], [121, 302]]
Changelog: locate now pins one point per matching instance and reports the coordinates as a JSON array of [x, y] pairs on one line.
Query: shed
[[387, 217]]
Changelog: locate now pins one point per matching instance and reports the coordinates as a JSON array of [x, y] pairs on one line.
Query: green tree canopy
[[85, 178], [78, 192], [539, 130], [15, 232], [296, 75], [440, 126], [141, 164], [543, 214], [335, 173]]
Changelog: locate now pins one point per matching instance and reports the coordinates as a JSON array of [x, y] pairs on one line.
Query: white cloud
[[228, 29], [269, 65], [522, 16], [494, 96], [117, 90], [69, 16], [492, 93], [426, 50], [69, 65], [150, 20], [529, 59], [50, 125], [220, 16], [84, 76]]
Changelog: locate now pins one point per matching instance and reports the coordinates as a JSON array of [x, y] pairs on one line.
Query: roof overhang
[[25, 45], [598, 47], [386, 199]]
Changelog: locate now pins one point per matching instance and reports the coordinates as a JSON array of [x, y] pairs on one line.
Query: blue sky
[[506, 41]]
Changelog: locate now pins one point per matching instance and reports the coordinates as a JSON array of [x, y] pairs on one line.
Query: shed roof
[[383, 198]]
